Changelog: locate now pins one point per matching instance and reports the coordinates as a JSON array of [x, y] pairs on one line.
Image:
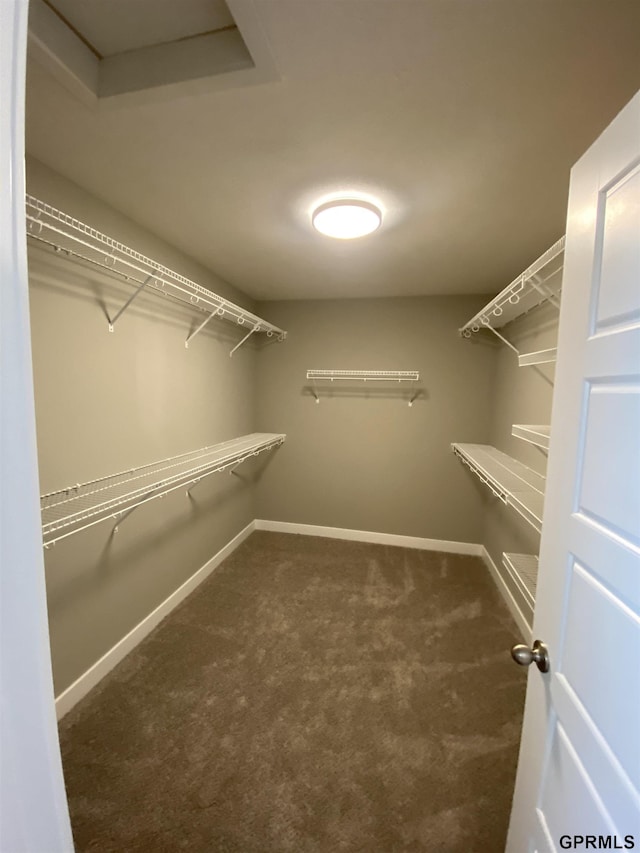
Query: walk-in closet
[[320, 413]]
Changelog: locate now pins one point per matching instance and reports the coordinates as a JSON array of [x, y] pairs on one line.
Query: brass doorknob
[[525, 656]]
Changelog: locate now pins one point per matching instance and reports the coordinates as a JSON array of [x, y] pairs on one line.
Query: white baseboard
[[81, 686], [369, 536], [512, 604]]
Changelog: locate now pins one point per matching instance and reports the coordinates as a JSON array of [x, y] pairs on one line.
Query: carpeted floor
[[312, 696]]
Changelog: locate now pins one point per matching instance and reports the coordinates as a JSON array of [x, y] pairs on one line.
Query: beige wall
[[363, 459], [106, 402]]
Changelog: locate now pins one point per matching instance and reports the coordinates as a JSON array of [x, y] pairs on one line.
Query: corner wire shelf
[[538, 434], [513, 483], [67, 235], [68, 511], [412, 376], [523, 570], [540, 282]]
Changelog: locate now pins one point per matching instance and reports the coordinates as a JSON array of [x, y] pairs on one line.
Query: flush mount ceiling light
[[346, 219]]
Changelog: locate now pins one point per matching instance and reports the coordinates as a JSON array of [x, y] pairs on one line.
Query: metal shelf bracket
[[202, 325], [133, 296], [256, 328]]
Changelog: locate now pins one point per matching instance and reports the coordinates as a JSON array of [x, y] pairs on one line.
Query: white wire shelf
[[537, 434], [513, 483], [412, 376], [542, 356], [523, 569], [366, 375], [77, 507], [540, 282], [74, 239]]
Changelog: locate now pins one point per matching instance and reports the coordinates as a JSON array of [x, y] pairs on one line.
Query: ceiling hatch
[[110, 48]]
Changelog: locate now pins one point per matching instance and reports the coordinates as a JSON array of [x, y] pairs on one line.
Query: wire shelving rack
[[75, 508], [523, 569], [540, 282], [513, 483], [75, 239], [412, 376]]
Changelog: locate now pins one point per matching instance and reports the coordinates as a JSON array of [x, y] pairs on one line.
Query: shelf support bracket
[[232, 470], [120, 517], [246, 338], [414, 393], [502, 338], [133, 296], [191, 485], [201, 326]]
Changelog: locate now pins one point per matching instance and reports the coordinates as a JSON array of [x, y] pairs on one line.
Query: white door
[[579, 769], [34, 817]]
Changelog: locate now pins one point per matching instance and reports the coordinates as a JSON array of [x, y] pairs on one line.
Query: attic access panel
[[110, 27], [101, 49]]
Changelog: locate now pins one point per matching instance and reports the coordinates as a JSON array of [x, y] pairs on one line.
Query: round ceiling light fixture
[[346, 219]]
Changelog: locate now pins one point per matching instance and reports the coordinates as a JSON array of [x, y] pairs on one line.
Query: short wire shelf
[[513, 483], [538, 434], [523, 569], [72, 238], [75, 508], [366, 375], [328, 375]]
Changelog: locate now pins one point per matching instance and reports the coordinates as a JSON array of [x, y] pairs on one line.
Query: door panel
[[584, 814], [542, 842], [620, 267], [607, 493], [587, 664], [596, 756], [612, 559]]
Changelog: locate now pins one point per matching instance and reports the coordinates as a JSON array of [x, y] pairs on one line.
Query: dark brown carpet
[[312, 696]]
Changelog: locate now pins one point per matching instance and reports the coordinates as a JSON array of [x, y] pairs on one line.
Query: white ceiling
[[462, 117]]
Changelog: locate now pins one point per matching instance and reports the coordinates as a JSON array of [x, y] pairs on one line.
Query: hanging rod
[[540, 282], [68, 235], [70, 510], [364, 376]]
